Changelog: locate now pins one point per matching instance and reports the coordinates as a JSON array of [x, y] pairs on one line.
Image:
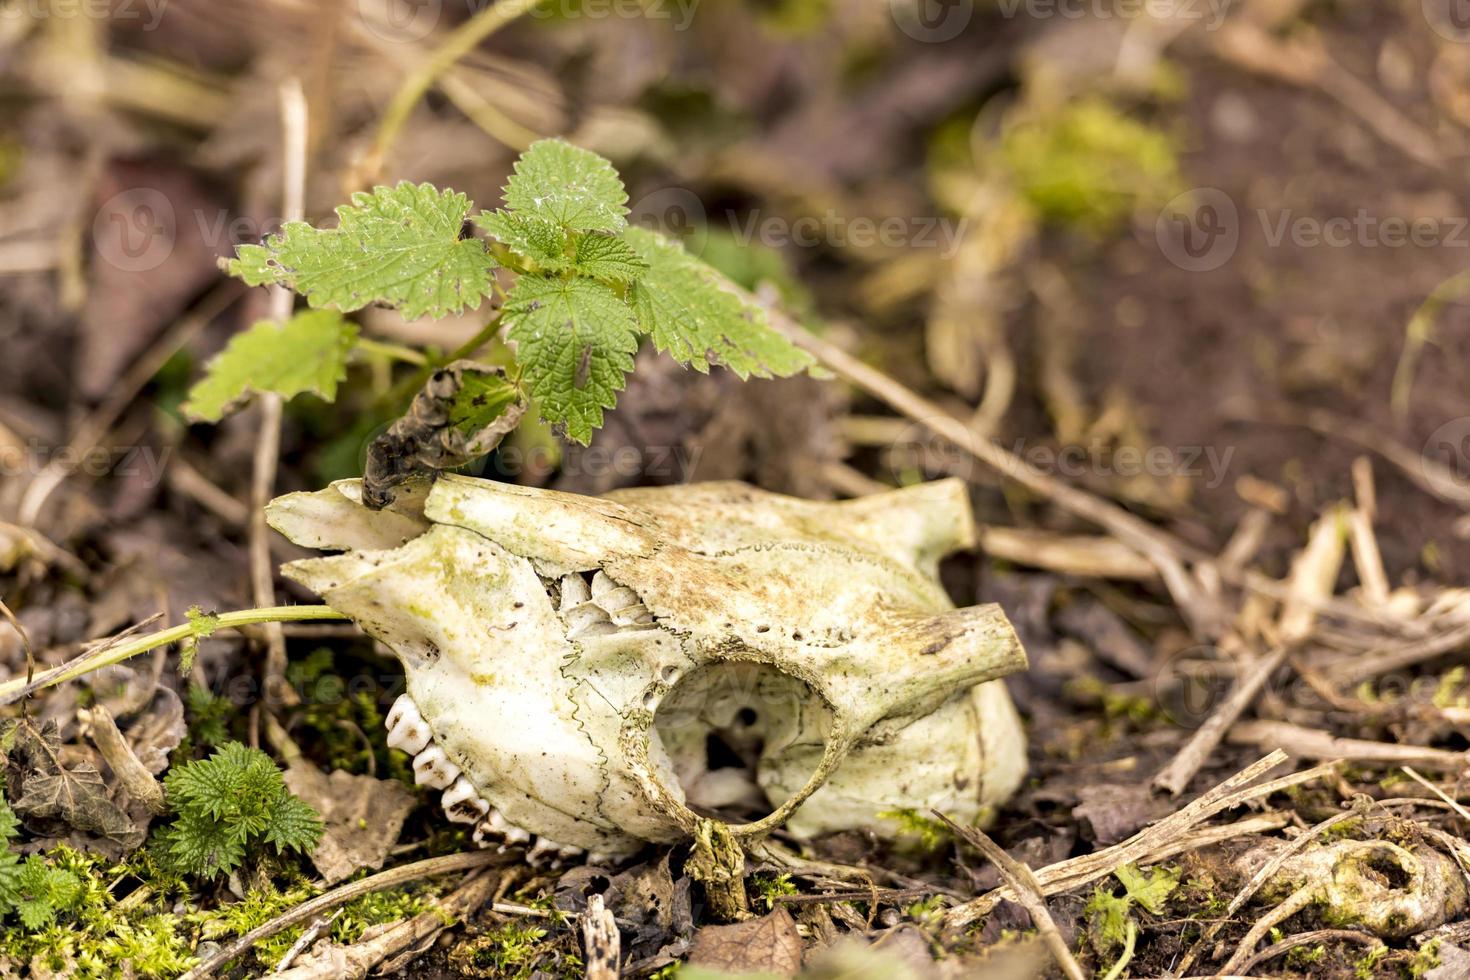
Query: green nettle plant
[[229, 806], [587, 288]]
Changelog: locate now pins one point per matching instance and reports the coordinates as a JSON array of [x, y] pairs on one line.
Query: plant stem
[[1127, 955], [108, 655], [477, 341], [461, 41], [404, 391], [396, 352]]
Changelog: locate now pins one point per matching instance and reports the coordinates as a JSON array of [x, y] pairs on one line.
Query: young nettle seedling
[[587, 288]]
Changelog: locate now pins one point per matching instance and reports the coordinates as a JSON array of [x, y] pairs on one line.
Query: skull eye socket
[[741, 737]]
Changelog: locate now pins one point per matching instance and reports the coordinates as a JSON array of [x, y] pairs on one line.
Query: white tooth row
[[432, 767], [601, 608]]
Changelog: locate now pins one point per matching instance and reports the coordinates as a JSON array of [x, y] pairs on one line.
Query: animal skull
[[574, 662]]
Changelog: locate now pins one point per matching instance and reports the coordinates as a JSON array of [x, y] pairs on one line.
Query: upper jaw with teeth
[[567, 657], [461, 802]]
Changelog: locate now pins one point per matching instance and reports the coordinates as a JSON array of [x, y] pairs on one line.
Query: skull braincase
[[571, 661]]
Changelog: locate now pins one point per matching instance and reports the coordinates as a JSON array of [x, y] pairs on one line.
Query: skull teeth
[[574, 591], [432, 768], [599, 609], [462, 804], [507, 830], [407, 729], [545, 852]]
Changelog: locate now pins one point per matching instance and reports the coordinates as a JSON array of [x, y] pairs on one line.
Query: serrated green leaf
[[199, 846], [1108, 916], [43, 892], [575, 341], [604, 256], [307, 353], [1151, 889], [9, 822], [681, 302], [294, 826], [482, 398], [568, 185], [226, 804], [543, 242], [396, 245]]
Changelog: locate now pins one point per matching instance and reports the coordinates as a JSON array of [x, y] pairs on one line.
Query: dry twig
[[391, 878], [600, 941], [268, 437], [1312, 743], [1024, 886], [1164, 838], [1175, 776], [134, 776]]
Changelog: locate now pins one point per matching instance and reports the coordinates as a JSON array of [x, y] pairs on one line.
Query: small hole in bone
[[719, 755], [762, 629], [747, 716], [669, 674]]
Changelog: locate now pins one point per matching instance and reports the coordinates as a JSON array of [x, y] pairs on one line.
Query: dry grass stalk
[[1027, 889], [1311, 743], [1161, 839]]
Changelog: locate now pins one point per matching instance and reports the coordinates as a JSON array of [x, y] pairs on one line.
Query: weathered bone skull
[[601, 671]]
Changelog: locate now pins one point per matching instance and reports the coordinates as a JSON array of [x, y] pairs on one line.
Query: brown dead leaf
[[362, 815], [769, 944], [48, 790], [155, 733], [644, 897], [1116, 811]]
